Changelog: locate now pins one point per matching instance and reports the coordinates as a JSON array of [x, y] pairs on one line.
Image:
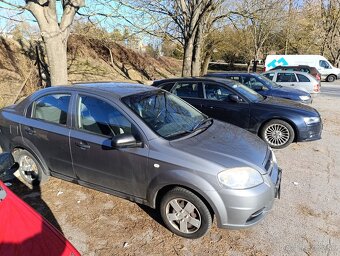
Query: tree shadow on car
[[32, 196]]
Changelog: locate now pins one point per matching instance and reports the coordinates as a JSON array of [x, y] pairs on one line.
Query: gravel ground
[[305, 221]]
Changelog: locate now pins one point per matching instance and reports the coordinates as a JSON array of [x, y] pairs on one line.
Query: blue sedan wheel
[[277, 133]]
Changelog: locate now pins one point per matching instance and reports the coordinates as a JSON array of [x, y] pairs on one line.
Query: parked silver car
[[294, 79], [147, 145]]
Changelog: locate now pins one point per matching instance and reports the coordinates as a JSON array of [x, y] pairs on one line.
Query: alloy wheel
[[28, 168], [277, 135], [183, 215]]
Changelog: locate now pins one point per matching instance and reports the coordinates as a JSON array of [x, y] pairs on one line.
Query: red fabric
[[25, 232]]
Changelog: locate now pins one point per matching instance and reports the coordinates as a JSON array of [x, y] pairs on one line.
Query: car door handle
[[211, 107], [83, 145], [292, 84], [29, 130]]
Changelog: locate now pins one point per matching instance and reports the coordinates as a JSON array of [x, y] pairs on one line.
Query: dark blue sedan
[[277, 121], [264, 86]]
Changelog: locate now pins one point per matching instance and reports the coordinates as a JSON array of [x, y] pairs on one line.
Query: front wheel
[[185, 214], [29, 168], [331, 78], [277, 133]]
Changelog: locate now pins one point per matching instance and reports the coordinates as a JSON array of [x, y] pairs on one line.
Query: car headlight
[[240, 178], [304, 97], [311, 120]]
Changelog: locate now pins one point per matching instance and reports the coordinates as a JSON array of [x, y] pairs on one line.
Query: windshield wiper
[[201, 123], [177, 134], [192, 130]]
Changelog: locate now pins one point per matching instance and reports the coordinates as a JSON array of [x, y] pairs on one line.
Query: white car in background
[[327, 71], [294, 79]]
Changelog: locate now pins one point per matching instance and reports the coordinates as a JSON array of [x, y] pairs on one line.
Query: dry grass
[[89, 59]]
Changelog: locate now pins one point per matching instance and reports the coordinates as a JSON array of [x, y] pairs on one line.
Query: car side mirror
[[234, 98], [7, 166], [125, 141]]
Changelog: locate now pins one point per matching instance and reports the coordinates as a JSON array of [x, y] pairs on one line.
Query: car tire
[[185, 214], [331, 78], [277, 133], [30, 169]]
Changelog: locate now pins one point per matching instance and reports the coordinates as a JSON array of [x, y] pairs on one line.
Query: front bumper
[[245, 208], [311, 132]]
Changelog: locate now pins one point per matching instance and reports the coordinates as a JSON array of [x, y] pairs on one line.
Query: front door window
[[99, 117], [324, 64], [216, 92]]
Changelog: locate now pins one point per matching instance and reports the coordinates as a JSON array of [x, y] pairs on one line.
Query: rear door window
[[285, 77], [188, 89], [306, 70], [52, 108], [167, 86], [303, 78], [269, 76]]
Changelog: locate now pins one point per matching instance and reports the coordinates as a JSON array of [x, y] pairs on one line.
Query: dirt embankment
[[89, 59], [16, 69], [97, 60]]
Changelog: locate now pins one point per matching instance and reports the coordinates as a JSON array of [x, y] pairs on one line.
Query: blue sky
[[110, 23]]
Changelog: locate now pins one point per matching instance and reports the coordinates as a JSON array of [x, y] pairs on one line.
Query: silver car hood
[[226, 145]]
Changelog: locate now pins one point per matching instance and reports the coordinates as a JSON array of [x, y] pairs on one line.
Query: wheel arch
[[334, 75], [28, 146], [160, 185], [169, 187]]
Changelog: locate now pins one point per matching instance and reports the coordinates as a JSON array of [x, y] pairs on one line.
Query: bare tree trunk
[[55, 33], [290, 6], [56, 53], [187, 58], [206, 61], [197, 52]]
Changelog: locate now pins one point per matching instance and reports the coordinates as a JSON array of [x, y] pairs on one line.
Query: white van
[[327, 71]]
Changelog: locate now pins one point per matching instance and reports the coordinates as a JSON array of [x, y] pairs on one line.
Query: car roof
[[114, 89], [240, 73], [118, 89], [201, 79], [286, 71], [296, 66], [228, 72]]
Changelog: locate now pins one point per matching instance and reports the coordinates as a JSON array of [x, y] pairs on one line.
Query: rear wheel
[[277, 133], [29, 167], [185, 214], [331, 78]]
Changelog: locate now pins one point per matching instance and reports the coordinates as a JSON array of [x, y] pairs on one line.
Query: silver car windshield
[[166, 114]]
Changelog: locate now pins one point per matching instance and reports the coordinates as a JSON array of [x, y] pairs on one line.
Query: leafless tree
[[261, 18], [185, 21], [330, 18], [54, 32]]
